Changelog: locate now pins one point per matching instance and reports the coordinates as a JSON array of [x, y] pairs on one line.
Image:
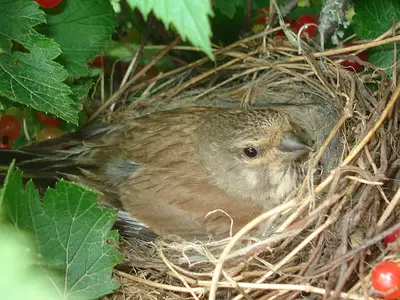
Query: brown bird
[[188, 171]]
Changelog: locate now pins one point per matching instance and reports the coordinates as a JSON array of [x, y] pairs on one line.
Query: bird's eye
[[250, 152]]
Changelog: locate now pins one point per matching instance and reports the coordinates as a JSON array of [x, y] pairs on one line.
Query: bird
[[196, 172]]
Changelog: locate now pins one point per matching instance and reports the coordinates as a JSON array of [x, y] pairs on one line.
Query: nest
[[322, 242]]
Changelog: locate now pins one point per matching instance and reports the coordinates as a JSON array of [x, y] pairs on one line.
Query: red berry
[[49, 133], [48, 3], [391, 238], [47, 120], [311, 30], [99, 61], [5, 146], [386, 279], [263, 15], [352, 65], [10, 128]]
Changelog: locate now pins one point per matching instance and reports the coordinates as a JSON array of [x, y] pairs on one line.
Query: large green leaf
[[28, 74], [72, 234], [189, 17], [17, 19], [82, 29], [228, 7], [20, 277], [373, 18]]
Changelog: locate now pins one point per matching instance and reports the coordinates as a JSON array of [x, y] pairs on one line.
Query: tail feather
[[44, 170], [131, 228], [52, 158], [70, 156], [64, 142]]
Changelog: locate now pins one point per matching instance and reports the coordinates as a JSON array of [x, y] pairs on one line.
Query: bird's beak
[[294, 145]]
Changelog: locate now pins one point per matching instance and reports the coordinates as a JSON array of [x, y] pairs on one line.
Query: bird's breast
[[266, 187], [284, 181]]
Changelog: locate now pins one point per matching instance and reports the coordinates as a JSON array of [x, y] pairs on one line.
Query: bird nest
[[325, 239]]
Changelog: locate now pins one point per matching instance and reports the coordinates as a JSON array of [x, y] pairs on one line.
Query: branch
[[332, 15]]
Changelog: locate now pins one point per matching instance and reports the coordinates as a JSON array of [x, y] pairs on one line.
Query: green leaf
[[27, 73], [382, 56], [5, 103], [225, 30], [71, 230], [257, 4], [190, 18], [16, 21], [81, 91], [20, 277], [373, 18], [82, 29], [228, 7], [299, 11], [32, 80]]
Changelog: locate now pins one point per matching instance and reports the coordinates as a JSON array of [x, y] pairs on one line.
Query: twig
[[247, 15], [124, 88], [26, 132], [331, 16], [344, 50], [159, 285], [205, 75], [351, 253], [331, 219], [253, 223], [249, 71], [290, 287], [358, 148], [389, 208], [169, 265], [288, 7]]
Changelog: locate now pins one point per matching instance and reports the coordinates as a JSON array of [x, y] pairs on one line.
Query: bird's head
[[251, 154]]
